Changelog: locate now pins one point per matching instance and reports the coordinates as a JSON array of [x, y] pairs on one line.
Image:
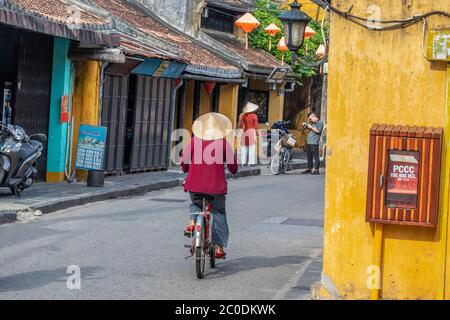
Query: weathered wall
[[309, 7], [183, 14], [381, 77], [86, 102]]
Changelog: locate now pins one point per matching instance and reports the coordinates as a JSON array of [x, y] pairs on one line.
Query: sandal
[[220, 254], [189, 230]]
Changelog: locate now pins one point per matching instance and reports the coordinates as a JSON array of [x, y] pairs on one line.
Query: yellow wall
[[309, 7], [205, 101], [86, 101], [229, 96], [189, 104], [381, 77]]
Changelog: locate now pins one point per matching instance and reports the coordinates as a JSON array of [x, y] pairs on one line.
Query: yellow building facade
[[309, 7], [382, 77], [86, 102]]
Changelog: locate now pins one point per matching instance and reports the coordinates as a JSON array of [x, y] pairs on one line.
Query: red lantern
[[247, 23], [209, 86]]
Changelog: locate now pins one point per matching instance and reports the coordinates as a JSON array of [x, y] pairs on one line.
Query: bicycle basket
[[288, 141]]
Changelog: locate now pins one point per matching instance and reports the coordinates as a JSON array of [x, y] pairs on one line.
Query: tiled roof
[[191, 51], [254, 60], [239, 5], [133, 46], [61, 11], [59, 18]]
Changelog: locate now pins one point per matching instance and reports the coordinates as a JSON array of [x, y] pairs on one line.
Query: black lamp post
[[295, 22]]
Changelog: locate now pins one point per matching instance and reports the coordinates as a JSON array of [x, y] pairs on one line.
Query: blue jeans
[[220, 232]]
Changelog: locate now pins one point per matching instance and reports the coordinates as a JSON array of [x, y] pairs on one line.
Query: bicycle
[[202, 247], [281, 160]]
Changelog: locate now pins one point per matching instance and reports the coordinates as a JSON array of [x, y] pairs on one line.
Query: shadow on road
[[231, 267], [36, 279]]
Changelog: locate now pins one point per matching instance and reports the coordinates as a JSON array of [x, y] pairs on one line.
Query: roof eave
[[214, 72], [230, 7], [18, 17]]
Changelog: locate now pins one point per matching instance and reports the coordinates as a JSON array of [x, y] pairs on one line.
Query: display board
[[91, 148]]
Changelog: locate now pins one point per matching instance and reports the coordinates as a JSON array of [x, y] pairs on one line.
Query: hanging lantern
[[247, 23], [295, 22], [309, 33], [283, 48], [209, 86], [272, 30], [320, 53]]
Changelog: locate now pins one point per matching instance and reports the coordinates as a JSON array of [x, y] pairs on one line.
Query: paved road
[[133, 248]]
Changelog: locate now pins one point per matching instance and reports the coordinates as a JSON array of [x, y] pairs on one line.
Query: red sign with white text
[[403, 179]]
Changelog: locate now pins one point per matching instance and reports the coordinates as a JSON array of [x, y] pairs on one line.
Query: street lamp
[[295, 22]]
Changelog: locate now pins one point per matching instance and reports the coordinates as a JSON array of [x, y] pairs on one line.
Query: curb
[[10, 216]]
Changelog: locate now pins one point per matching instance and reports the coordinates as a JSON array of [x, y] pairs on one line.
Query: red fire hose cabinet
[[404, 175]]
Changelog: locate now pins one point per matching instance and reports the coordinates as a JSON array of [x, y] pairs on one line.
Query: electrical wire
[[394, 24]]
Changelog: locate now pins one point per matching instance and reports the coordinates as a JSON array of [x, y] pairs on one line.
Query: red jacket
[[249, 123], [205, 163]]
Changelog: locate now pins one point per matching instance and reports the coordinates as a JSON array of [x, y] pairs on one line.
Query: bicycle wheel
[[286, 159], [200, 255], [212, 257], [275, 165]]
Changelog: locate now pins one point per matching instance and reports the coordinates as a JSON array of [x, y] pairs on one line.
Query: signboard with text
[[91, 148], [403, 179]]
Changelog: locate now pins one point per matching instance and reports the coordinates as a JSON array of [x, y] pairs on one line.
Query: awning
[[160, 68], [123, 69], [42, 25]]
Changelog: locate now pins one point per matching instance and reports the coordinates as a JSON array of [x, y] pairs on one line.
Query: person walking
[[312, 143], [248, 122], [204, 159]]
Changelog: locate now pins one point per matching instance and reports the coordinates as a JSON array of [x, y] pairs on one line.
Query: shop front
[[138, 110], [25, 82]]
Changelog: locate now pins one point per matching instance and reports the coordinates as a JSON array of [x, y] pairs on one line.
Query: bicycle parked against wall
[[283, 149], [202, 247]]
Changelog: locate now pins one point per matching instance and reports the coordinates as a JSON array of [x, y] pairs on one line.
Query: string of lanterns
[[296, 29]]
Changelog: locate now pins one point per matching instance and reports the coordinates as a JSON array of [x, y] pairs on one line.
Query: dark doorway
[[151, 125], [137, 111], [26, 66], [114, 117]]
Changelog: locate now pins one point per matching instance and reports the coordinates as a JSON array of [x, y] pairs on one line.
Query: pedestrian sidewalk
[[49, 197]]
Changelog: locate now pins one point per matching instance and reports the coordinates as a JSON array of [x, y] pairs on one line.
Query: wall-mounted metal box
[[404, 175]]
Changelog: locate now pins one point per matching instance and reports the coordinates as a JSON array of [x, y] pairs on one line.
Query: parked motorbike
[[19, 155]]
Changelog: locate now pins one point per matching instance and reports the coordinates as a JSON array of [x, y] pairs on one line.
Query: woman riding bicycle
[[204, 159]]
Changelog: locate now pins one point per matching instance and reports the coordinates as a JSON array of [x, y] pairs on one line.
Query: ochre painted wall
[[309, 7], [228, 105], [205, 101], [381, 77], [189, 104], [228, 102], [86, 101]]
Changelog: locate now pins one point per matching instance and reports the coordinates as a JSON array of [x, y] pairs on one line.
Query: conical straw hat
[[250, 107], [212, 126]]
